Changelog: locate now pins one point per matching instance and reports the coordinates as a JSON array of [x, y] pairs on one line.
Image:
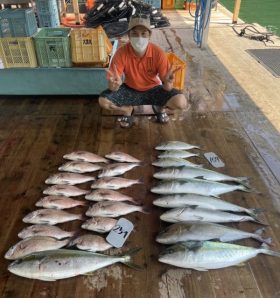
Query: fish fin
[[198, 217], [192, 206], [240, 265], [47, 279], [90, 273], [199, 177], [201, 269]]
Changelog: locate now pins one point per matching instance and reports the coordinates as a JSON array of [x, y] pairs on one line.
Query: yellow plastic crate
[[18, 52], [89, 46], [180, 74], [168, 4]]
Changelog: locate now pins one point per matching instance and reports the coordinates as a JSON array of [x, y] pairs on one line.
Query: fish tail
[[140, 181], [82, 217], [254, 212], [127, 259], [269, 252], [257, 220], [249, 189], [145, 210], [244, 181]]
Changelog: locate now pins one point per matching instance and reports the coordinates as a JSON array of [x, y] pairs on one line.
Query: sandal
[[161, 116], [126, 121]]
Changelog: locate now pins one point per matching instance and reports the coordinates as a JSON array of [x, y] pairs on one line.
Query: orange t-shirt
[[141, 73]]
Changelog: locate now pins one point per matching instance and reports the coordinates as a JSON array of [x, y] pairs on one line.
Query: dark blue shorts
[[127, 96]]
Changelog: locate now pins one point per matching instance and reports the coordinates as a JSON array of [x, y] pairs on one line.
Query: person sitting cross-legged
[[148, 77]]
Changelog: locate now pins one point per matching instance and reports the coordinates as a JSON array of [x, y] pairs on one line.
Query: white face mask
[[139, 44]]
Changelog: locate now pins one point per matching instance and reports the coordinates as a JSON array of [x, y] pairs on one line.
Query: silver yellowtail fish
[[50, 216], [187, 172], [99, 224], [68, 178], [44, 230], [196, 214], [59, 202], [121, 157], [65, 190], [207, 255], [79, 167], [90, 242], [196, 186], [85, 156], [205, 231], [175, 145], [65, 263], [113, 209], [177, 154], [33, 244], [185, 200], [114, 182], [174, 162], [108, 195], [116, 169]]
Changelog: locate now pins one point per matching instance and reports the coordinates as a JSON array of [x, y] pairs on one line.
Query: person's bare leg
[[108, 105], [177, 102]]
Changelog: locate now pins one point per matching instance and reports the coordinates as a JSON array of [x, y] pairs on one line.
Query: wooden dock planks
[[41, 142]]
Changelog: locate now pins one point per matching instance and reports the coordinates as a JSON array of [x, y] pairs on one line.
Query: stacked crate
[[90, 47], [48, 14], [16, 44], [53, 47]]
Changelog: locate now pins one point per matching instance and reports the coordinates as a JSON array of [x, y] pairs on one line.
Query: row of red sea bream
[[197, 211], [40, 255]]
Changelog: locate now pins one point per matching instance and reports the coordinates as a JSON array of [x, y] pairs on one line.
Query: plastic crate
[[48, 20], [179, 82], [52, 47], [5, 29], [154, 3], [18, 52], [19, 22], [179, 4], [46, 6], [89, 46], [190, 6], [168, 4], [48, 14]]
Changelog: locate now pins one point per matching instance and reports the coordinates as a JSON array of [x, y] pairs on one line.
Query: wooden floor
[[35, 132]]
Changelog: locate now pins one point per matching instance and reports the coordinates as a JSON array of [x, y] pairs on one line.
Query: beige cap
[[139, 21]]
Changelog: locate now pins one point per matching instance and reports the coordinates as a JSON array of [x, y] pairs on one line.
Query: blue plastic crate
[[19, 22], [48, 14], [48, 20], [5, 29], [154, 3], [23, 22], [46, 6]]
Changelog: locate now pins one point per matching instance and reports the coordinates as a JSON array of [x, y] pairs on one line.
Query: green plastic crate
[[179, 4], [52, 47]]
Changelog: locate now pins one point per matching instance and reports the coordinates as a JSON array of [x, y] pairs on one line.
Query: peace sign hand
[[114, 79], [170, 77]]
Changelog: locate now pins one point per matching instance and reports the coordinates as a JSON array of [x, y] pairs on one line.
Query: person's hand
[[170, 77], [114, 79]]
